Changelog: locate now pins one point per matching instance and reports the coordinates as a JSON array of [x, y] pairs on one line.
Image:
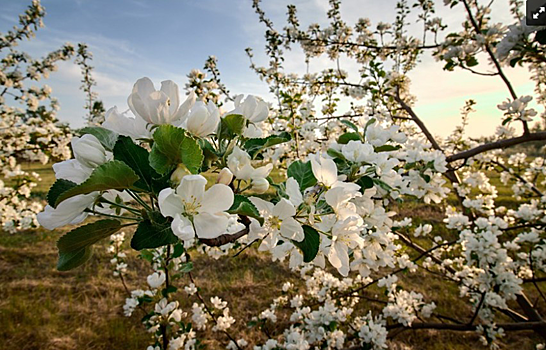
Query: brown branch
[[417, 120], [517, 326], [228, 238], [537, 136]]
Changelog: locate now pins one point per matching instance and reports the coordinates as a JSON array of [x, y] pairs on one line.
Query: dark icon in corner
[[536, 13]]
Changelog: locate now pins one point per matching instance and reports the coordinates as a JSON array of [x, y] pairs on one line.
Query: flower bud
[[179, 173], [88, 151], [260, 185], [225, 177]]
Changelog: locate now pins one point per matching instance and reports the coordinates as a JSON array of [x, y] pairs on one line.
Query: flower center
[[191, 208]]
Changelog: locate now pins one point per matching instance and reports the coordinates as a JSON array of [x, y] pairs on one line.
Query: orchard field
[[386, 190], [52, 310]]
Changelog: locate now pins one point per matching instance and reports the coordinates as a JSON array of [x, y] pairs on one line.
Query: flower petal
[[293, 192], [192, 188], [182, 228], [292, 229], [217, 199], [284, 209], [169, 203], [210, 225]]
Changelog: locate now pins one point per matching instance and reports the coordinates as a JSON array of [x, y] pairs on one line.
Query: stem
[[137, 198]]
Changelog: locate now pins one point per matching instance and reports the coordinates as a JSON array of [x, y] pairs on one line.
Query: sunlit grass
[[42, 308]]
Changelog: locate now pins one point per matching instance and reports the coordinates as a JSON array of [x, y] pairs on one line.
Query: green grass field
[[42, 308]]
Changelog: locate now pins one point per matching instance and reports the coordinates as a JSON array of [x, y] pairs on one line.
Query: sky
[[165, 39]]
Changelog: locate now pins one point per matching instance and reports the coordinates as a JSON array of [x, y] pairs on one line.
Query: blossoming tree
[[29, 129], [188, 175]]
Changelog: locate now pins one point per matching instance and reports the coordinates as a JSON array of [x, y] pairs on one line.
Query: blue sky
[[165, 39]]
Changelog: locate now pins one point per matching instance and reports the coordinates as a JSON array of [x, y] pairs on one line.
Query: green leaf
[[136, 158], [232, 125], [387, 148], [178, 250], [171, 147], [86, 235], [71, 260], [350, 124], [345, 138], [187, 267], [255, 146], [310, 244], [302, 173], [60, 186], [243, 206], [114, 175], [160, 162], [106, 137], [153, 233], [165, 153], [191, 154], [168, 290], [74, 247], [365, 182], [335, 154]]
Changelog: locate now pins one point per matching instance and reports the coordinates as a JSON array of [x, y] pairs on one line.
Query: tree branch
[[228, 238], [537, 136]]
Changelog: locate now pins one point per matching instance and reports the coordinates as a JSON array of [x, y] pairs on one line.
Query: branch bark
[[537, 136], [228, 238]]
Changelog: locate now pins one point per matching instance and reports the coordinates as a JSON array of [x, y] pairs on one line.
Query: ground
[[42, 308]]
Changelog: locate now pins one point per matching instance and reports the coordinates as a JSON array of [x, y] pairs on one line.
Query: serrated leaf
[[59, 187], [74, 247], [153, 233], [310, 244], [106, 137], [191, 154], [243, 206], [70, 260], [302, 172], [137, 158], [171, 147], [88, 234], [255, 146], [160, 162], [113, 175], [232, 125], [350, 136]]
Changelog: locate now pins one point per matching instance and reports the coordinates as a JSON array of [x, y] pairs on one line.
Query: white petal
[[217, 199], [72, 170], [69, 211], [210, 225], [292, 229], [339, 257], [169, 203], [283, 209], [261, 205], [325, 170], [169, 88], [192, 188], [182, 228], [293, 192]]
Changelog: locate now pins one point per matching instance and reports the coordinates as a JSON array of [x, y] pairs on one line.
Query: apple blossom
[[196, 212]]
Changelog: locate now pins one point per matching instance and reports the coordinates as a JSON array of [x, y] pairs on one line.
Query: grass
[[43, 308]]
